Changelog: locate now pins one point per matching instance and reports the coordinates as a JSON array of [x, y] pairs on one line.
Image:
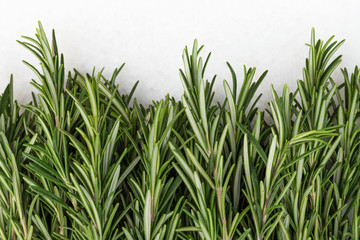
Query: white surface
[[149, 37]]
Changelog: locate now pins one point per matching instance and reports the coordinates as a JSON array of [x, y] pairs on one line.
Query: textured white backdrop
[[149, 37]]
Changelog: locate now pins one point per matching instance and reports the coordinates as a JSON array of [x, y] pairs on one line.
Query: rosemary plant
[[85, 161]]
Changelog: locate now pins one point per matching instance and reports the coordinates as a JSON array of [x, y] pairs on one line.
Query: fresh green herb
[[85, 161]]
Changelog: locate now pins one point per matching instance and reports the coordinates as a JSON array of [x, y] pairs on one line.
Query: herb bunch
[[83, 160]]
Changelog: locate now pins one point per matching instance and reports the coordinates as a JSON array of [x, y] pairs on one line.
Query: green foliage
[[85, 161]]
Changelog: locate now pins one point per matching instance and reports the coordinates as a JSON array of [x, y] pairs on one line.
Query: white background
[[149, 37]]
